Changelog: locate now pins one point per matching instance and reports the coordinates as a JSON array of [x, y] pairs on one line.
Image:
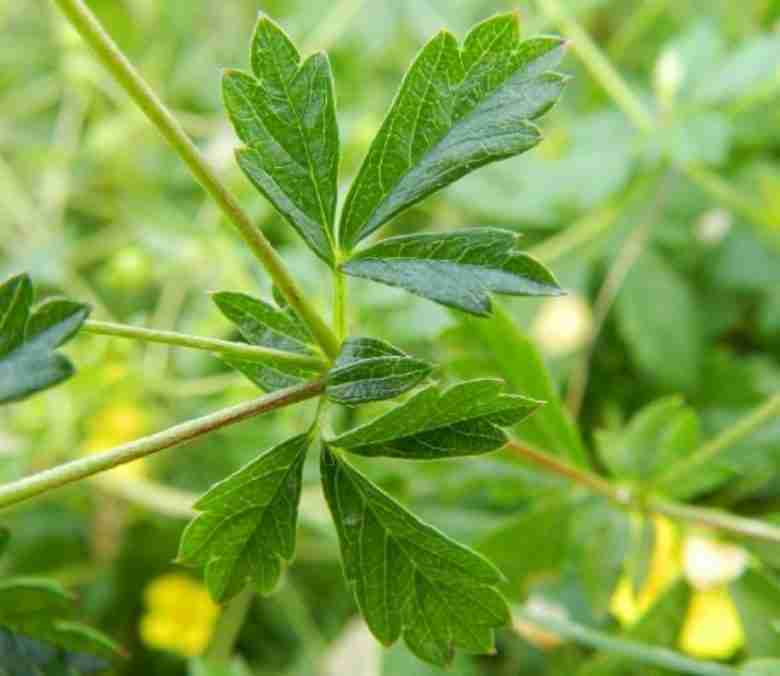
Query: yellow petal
[[712, 627]]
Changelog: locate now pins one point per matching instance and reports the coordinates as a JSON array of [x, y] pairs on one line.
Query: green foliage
[[247, 525], [261, 323], [28, 361], [465, 419], [458, 109], [285, 113], [409, 578], [457, 269], [368, 369]]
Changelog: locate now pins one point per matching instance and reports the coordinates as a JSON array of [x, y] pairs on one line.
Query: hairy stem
[[229, 626], [628, 499], [712, 449], [340, 304], [109, 54], [221, 347], [76, 470]]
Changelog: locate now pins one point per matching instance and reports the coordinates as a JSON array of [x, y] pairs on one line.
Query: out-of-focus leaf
[[285, 113], [399, 661], [757, 595], [261, 323], [28, 361], [247, 523], [658, 318], [458, 269], [656, 437], [761, 668], [368, 369], [598, 544], [408, 578], [459, 108], [497, 345], [465, 419]]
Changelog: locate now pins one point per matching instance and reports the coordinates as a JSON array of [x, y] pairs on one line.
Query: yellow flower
[[712, 628], [117, 424], [180, 615]]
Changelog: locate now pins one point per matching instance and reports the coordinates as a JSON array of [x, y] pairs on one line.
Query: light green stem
[[229, 626], [76, 470], [340, 304], [627, 499], [109, 54], [222, 347], [709, 452], [602, 69]]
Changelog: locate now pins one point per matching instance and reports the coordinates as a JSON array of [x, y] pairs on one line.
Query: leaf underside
[[261, 323], [368, 369], [458, 109], [247, 525], [285, 114], [457, 269], [465, 419], [410, 579], [28, 360]]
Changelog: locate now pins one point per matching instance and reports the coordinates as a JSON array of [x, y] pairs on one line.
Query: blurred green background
[[668, 240]]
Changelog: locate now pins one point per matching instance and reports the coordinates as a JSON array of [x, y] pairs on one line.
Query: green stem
[[705, 455], [109, 54], [629, 500], [76, 470], [222, 347], [647, 654], [229, 626], [340, 304], [632, 29], [601, 68]]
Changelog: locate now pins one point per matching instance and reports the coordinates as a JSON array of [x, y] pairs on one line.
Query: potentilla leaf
[[261, 323], [28, 360], [410, 579], [458, 269], [285, 113], [247, 525], [465, 419], [458, 108], [368, 369]]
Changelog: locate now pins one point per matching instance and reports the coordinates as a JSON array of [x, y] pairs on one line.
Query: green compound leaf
[[465, 419], [261, 323], [409, 578], [247, 525], [285, 113], [458, 109], [457, 269], [368, 369], [28, 361]]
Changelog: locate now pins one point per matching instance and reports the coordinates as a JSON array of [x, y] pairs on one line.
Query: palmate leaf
[[285, 114], [465, 419], [247, 524], [458, 269], [409, 578], [457, 109], [368, 369], [261, 323], [28, 361]]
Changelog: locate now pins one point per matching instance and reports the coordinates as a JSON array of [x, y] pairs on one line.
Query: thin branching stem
[[220, 347], [82, 468], [109, 54]]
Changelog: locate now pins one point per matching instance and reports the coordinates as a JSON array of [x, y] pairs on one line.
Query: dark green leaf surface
[[261, 323], [410, 579], [465, 419], [28, 361], [285, 114], [457, 109], [247, 525], [458, 269], [368, 369]]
